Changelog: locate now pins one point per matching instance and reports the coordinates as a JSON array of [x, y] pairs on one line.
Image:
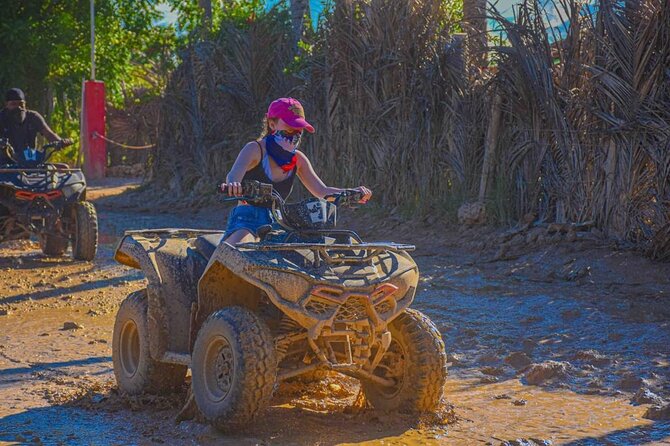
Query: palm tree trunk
[[299, 8], [474, 18], [206, 6]]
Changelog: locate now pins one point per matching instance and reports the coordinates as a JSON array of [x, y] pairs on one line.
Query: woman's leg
[[241, 236]]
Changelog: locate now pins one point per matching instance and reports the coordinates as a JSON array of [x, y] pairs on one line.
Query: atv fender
[[170, 266], [142, 255], [225, 283], [130, 252]]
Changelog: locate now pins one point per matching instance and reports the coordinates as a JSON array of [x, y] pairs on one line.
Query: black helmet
[[15, 94]]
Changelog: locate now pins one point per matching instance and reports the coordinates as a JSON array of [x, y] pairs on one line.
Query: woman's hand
[[234, 188], [367, 193]]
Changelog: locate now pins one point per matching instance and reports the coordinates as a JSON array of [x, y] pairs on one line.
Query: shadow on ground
[[55, 292], [108, 423], [649, 434]]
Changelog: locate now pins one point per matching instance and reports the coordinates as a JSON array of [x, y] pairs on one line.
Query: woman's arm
[[311, 180], [315, 185], [249, 156]]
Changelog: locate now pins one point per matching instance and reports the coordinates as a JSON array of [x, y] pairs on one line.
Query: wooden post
[[490, 145], [610, 194]]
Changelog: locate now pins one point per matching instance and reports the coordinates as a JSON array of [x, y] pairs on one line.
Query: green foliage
[[240, 12], [191, 18], [135, 51], [454, 9]]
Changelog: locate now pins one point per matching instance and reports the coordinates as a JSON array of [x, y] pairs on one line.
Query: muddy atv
[[47, 200], [306, 297]]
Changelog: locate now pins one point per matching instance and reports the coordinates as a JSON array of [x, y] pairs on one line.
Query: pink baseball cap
[[291, 112]]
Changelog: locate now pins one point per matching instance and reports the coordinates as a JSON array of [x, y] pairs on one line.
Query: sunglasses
[[290, 132]]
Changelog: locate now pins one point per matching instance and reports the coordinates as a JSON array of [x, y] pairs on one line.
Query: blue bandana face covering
[[284, 159], [293, 139]]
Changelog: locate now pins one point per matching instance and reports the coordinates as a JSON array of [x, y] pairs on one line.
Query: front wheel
[[234, 368], [85, 240], [416, 361]]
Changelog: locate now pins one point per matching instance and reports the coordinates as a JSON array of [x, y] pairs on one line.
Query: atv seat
[[206, 244]]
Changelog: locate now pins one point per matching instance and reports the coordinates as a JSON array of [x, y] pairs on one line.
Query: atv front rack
[[336, 253], [39, 170], [180, 232]]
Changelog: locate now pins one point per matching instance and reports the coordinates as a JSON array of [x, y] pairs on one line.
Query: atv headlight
[[404, 282], [398, 291]]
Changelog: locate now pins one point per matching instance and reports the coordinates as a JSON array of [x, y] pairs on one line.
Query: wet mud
[[562, 342]]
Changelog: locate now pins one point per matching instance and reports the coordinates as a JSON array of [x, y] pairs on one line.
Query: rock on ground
[[526, 442], [472, 214], [630, 382], [646, 396], [539, 373], [518, 360], [71, 326], [593, 357], [658, 413]]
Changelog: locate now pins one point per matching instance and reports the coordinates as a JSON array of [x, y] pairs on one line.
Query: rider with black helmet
[[20, 126]]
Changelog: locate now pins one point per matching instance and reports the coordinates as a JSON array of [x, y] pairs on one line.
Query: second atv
[[307, 297], [47, 200]]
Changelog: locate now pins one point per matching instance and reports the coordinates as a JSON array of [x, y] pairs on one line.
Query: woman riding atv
[[273, 158]]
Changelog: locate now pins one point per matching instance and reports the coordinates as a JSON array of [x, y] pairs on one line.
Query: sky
[[169, 17], [316, 6]]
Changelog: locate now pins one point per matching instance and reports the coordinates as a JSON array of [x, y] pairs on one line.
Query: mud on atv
[[307, 297], [47, 200]]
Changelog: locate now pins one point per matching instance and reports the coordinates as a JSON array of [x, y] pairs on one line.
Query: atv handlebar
[[261, 194], [60, 144], [34, 160], [255, 191], [347, 197]]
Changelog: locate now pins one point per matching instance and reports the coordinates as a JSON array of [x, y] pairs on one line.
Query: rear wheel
[[416, 361], [136, 372], [85, 240], [234, 368], [53, 245]]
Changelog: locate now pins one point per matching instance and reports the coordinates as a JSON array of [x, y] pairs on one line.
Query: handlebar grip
[[224, 190], [350, 197], [251, 189], [356, 196]]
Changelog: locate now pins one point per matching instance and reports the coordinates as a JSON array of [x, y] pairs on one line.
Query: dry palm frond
[[585, 109]]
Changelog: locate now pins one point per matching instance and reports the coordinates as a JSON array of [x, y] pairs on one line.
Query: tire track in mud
[[62, 389]]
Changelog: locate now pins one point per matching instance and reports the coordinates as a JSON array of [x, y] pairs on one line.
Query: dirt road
[[559, 340]]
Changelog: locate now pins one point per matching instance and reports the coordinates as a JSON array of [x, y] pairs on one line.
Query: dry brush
[[584, 110]]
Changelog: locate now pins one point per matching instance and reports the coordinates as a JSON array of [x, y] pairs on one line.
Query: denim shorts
[[248, 217]]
